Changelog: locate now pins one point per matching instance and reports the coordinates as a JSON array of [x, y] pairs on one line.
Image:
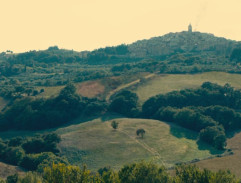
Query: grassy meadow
[[169, 82], [96, 144]]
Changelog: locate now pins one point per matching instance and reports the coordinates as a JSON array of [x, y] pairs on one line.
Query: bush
[[215, 136], [13, 155]]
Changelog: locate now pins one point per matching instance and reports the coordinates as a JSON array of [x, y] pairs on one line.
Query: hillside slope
[[165, 83], [96, 144], [6, 170]]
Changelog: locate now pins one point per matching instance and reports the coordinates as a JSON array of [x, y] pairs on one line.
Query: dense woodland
[[36, 114]]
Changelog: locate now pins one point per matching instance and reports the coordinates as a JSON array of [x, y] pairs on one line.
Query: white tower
[[190, 28]]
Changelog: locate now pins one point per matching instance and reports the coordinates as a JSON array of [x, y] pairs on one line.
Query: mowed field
[[169, 82], [96, 144]]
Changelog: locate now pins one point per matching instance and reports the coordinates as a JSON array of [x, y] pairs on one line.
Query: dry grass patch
[[6, 170], [90, 89]]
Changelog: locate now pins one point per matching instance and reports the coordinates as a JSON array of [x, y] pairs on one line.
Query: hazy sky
[[89, 24]]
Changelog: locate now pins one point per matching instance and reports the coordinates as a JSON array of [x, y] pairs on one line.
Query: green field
[[50, 91], [169, 82], [96, 144]]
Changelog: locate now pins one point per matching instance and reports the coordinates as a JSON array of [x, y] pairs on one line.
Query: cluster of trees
[[19, 91], [133, 173], [35, 114], [236, 55], [210, 131], [210, 110], [206, 95], [125, 103], [197, 118], [31, 153], [90, 75], [108, 55], [51, 55]]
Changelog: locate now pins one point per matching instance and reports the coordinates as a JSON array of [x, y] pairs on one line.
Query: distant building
[[190, 28]]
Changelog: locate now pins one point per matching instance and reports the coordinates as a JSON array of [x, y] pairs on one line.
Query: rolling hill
[[165, 83], [96, 144]]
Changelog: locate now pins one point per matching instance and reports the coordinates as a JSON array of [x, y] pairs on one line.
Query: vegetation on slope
[[209, 121], [131, 173], [36, 114], [97, 144], [31, 153]]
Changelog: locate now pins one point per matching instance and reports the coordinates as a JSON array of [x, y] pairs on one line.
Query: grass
[[90, 89], [6, 170], [96, 144], [169, 82], [50, 91], [3, 103]]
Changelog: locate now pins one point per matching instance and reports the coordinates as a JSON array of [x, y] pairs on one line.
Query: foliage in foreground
[[141, 172]]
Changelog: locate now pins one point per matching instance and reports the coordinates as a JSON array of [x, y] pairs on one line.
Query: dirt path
[[127, 85], [145, 146]]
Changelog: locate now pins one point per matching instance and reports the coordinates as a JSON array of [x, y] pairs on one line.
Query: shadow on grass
[[180, 132], [212, 150], [108, 117]]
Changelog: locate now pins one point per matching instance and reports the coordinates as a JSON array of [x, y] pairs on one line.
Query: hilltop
[[182, 42]]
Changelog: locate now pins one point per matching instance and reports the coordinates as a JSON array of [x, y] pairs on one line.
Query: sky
[[90, 24]]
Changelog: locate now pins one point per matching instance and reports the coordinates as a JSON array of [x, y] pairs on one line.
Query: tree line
[[31, 153], [36, 114], [141, 172], [210, 110]]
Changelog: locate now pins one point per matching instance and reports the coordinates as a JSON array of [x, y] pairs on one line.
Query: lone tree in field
[[140, 132], [114, 125]]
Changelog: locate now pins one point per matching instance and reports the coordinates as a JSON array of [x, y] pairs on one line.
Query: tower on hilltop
[[190, 28]]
